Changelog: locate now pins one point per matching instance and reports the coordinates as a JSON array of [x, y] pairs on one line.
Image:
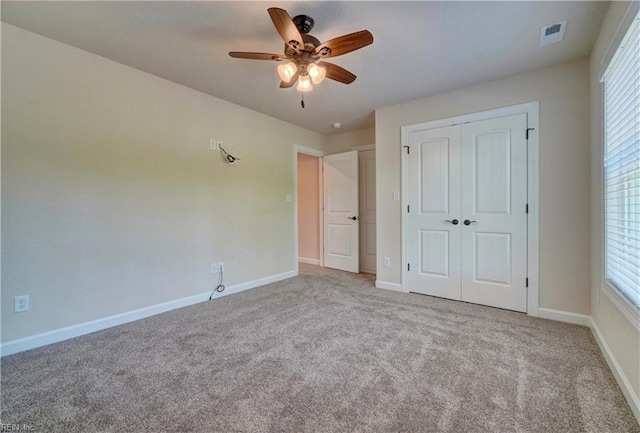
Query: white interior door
[[467, 216], [341, 218], [367, 171], [434, 212], [494, 198]]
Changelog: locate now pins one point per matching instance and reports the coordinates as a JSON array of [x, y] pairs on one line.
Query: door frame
[[531, 109], [319, 154]]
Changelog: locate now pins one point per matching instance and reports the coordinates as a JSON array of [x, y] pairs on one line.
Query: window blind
[[622, 166]]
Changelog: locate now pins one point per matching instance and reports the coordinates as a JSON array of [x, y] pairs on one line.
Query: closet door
[[493, 212], [434, 212], [467, 212]]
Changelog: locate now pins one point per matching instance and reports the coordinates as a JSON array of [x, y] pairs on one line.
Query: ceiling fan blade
[[256, 56], [287, 29], [338, 73], [294, 79], [345, 44]]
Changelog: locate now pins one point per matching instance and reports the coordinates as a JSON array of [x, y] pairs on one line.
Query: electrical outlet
[[214, 268], [20, 304], [213, 144], [386, 261], [219, 145], [221, 266]]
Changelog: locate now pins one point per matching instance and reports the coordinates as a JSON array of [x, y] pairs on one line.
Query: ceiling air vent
[[552, 33]]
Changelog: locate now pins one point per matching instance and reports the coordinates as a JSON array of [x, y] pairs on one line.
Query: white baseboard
[[618, 373], [389, 286], [73, 331], [565, 316], [309, 261]]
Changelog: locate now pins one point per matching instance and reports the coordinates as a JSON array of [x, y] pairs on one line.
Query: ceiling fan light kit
[[305, 53], [317, 73], [304, 84], [287, 71]]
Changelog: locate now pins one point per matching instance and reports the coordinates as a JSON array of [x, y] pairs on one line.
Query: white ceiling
[[419, 49]]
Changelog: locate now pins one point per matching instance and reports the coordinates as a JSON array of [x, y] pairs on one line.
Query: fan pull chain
[[302, 100]]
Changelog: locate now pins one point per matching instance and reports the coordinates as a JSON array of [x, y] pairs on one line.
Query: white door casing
[[474, 173], [367, 173], [341, 221]]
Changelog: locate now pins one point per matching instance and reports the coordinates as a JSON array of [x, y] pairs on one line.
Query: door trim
[[531, 109], [319, 154]]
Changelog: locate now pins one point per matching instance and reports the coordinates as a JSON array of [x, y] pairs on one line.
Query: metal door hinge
[[526, 208], [526, 282], [408, 266], [407, 208], [527, 133]]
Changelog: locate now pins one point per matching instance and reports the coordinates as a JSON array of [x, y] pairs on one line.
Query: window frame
[[619, 299]]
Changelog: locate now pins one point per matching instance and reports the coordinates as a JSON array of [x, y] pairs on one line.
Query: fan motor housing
[[304, 23]]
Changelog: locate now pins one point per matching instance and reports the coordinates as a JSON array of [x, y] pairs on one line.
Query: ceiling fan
[[305, 53]]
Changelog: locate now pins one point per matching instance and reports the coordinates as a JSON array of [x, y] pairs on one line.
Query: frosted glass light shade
[[317, 73], [304, 84], [287, 71]]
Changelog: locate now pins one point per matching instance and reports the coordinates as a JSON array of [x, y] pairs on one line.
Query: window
[[622, 166]]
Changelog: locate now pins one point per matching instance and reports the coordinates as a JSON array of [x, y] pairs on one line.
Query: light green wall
[[111, 198], [563, 93], [622, 337]]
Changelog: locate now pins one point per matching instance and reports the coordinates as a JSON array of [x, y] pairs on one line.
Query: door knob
[[353, 218], [454, 222], [467, 222]]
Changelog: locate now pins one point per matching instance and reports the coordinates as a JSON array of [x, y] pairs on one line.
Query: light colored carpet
[[322, 352]]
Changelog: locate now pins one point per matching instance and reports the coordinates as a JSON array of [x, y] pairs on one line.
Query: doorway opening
[[309, 208], [309, 199]]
